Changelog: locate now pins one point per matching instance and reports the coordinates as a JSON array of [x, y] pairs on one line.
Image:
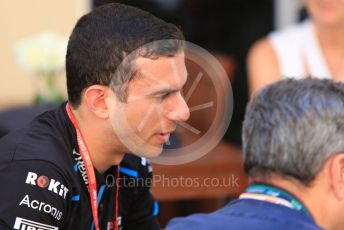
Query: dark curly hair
[[103, 38]]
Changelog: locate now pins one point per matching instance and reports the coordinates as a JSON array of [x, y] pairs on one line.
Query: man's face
[[154, 104]]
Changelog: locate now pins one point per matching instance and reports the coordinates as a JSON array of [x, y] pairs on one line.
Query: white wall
[[19, 19], [286, 12]]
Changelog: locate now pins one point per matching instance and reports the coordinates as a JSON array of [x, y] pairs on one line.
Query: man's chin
[[154, 152], [150, 152]]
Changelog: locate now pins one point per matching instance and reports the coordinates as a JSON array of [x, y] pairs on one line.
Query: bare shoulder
[[262, 65], [262, 47]]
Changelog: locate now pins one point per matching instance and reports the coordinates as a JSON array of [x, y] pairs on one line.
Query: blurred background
[[226, 28]]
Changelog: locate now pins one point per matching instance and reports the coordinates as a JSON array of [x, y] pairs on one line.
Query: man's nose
[[180, 110]]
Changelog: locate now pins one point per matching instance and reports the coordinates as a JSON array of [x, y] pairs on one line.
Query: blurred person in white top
[[313, 48]]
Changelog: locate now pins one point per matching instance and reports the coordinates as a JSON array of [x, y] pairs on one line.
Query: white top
[[298, 52]]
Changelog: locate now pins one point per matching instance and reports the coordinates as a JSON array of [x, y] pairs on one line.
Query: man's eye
[[163, 96]]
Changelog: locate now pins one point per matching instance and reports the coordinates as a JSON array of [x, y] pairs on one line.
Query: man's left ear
[[336, 168], [95, 96]]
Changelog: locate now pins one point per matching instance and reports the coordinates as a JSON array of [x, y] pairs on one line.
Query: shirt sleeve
[[33, 195], [191, 222]]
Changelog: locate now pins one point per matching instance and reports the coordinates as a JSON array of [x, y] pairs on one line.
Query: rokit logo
[[41, 206], [44, 182], [24, 224]]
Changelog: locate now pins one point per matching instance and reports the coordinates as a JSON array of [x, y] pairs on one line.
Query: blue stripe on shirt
[[156, 208], [128, 172]]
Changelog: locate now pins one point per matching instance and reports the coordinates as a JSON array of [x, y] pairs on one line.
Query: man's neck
[[101, 146]]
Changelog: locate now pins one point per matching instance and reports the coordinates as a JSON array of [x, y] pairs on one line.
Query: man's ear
[[336, 167], [95, 96]]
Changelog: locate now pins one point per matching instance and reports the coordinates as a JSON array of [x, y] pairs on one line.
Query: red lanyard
[[92, 182]]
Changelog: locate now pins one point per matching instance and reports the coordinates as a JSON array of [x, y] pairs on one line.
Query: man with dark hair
[[293, 143], [69, 169]]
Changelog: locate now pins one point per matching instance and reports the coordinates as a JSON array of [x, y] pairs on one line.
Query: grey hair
[[292, 127], [127, 70]]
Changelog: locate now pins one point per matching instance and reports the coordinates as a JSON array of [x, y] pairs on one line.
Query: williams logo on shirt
[[46, 183], [81, 166]]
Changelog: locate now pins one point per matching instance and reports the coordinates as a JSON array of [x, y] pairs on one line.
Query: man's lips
[[163, 137]]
